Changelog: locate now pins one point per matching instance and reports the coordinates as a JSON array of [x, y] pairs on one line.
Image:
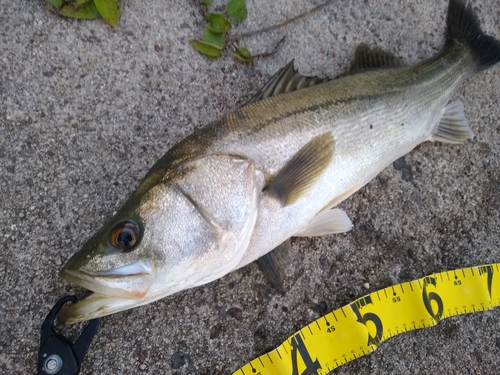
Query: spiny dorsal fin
[[303, 170], [273, 265], [366, 58], [287, 79]]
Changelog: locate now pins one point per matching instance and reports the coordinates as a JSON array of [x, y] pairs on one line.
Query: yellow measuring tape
[[356, 329]]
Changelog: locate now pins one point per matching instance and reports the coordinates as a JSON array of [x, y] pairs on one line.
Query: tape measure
[[356, 329]]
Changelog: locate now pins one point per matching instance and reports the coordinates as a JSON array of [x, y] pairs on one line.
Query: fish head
[[116, 263], [171, 236]]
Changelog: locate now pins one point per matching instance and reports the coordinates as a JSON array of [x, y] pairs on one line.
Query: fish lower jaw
[[95, 306]]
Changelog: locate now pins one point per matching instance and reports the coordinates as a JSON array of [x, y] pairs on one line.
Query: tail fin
[[463, 25]]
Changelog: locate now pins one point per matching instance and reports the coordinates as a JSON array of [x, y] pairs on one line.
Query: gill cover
[[206, 228]]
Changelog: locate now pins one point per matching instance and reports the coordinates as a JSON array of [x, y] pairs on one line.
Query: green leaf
[[237, 9], [211, 50], [207, 3], [81, 3], [55, 3], [218, 24], [88, 11], [212, 38], [243, 54], [108, 10]]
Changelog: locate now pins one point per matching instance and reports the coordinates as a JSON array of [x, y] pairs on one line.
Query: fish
[[236, 190]]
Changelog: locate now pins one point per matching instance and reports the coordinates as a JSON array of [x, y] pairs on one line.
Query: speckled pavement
[[86, 110]]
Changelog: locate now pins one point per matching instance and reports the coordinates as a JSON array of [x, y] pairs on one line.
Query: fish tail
[[463, 26]]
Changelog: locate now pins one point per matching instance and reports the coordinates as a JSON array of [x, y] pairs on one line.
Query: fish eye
[[125, 235]]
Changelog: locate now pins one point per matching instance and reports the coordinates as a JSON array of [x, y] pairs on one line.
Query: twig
[[274, 50], [293, 19]]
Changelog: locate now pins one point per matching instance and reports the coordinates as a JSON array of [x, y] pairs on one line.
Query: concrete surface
[[85, 110]]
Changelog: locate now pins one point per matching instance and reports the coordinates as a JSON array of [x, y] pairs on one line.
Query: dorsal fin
[[287, 79], [366, 58]]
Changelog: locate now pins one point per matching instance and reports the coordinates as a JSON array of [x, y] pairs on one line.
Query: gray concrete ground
[[85, 110]]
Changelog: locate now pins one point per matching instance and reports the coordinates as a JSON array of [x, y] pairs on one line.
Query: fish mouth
[[114, 290]]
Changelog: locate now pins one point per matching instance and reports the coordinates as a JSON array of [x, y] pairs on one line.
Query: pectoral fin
[[303, 170], [273, 265], [327, 222], [453, 126]]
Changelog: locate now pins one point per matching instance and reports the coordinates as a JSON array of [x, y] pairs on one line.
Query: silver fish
[[276, 168]]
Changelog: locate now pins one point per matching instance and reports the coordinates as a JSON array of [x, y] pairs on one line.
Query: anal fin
[[273, 265], [327, 222], [302, 171], [453, 126]]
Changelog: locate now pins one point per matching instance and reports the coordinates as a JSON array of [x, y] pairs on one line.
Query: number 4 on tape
[[298, 348]]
